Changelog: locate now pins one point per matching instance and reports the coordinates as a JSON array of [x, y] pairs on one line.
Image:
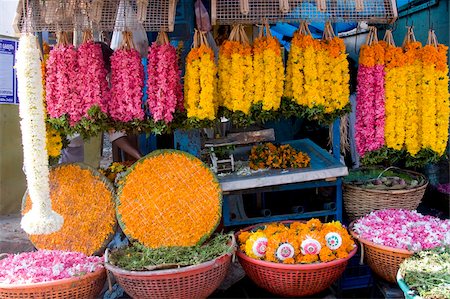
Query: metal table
[[325, 171]]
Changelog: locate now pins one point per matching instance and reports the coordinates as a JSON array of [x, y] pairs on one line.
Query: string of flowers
[[164, 82], [236, 78], [297, 242], [94, 90], [200, 85], [62, 86], [45, 266], [41, 219], [369, 133], [268, 70], [127, 81]]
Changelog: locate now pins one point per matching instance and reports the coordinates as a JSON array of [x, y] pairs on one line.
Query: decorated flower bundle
[[369, 133], [41, 219], [46, 266], [297, 242], [236, 74], [403, 229], [200, 82], [270, 156], [268, 70], [164, 90], [317, 78], [127, 81], [64, 106]]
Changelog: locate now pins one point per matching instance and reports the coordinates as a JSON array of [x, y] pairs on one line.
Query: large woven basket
[[384, 261], [360, 201], [83, 287], [292, 280], [198, 281]]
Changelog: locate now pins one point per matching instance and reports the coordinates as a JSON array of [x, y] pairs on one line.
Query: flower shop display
[[164, 89], [317, 76], [236, 74], [426, 274], [200, 82], [172, 272], [369, 131], [389, 236], [169, 198], [85, 199], [64, 105], [127, 82], [284, 156], [41, 219], [51, 273], [295, 258]]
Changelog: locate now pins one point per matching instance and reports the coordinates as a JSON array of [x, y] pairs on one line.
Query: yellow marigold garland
[[87, 204], [169, 198], [442, 100], [200, 83], [54, 142]]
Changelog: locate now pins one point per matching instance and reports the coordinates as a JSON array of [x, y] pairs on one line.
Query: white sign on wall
[[8, 79]]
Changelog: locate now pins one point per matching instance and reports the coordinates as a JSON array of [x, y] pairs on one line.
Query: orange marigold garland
[[169, 198], [85, 199]]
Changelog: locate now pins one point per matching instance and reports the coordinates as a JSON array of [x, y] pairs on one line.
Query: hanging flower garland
[[164, 82], [41, 219], [200, 85], [62, 87], [94, 90], [442, 99], [236, 78], [268, 70], [127, 81], [370, 96]]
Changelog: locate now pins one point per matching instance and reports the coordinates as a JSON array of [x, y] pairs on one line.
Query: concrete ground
[[12, 238]]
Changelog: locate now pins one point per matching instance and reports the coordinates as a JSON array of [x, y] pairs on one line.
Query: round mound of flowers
[[297, 242], [46, 265], [403, 229]]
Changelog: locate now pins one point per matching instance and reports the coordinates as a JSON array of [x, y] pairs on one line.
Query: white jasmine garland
[[41, 219]]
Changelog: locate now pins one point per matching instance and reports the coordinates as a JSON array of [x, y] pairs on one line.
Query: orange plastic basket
[[292, 280], [384, 261], [198, 281], [82, 287]]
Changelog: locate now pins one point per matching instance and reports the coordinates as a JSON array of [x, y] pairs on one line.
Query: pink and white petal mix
[[403, 229], [45, 266]]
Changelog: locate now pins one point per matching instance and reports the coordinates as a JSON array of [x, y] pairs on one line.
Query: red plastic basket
[[83, 287], [198, 281], [292, 280]]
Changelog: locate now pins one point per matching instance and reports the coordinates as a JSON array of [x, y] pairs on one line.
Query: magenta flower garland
[[165, 93]]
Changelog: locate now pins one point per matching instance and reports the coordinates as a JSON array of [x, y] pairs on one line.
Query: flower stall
[[171, 206]]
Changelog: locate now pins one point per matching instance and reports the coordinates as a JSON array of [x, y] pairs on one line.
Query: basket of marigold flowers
[[295, 258]]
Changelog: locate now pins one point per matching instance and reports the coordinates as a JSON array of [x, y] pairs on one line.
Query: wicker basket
[[360, 201], [384, 261], [198, 281], [82, 287], [292, 280]]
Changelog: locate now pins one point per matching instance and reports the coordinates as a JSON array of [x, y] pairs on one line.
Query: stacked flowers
[[94, 90], [41, 219], [297, 242], [317, 71], [45, 266], [370, 96], [268, 71], [270, 156], [62, 86], [164, 83], [127, 80], [200, 85], [403, 229], [236, 77]]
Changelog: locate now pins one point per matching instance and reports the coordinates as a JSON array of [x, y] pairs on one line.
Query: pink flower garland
[[164, 83], [94, 89], [127, 80], [45, 265], [403, 229], [378, 87], [364, 126], [62, 95]]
